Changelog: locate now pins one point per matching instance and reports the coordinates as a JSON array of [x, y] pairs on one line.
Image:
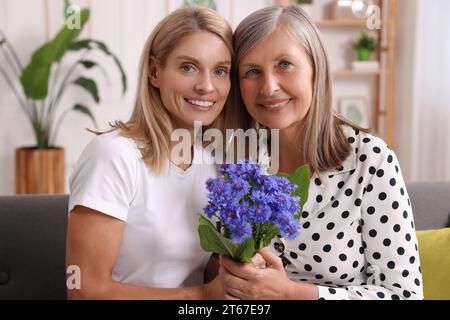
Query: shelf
[[342, 23], [382, 78], [353, 73]]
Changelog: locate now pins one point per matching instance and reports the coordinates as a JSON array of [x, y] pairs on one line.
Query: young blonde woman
[[133, 212], [357, 239]]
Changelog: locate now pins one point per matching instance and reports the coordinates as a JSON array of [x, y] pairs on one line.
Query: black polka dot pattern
[[357, 237]]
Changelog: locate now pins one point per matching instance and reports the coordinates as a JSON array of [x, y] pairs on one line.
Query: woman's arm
[[93, 244]]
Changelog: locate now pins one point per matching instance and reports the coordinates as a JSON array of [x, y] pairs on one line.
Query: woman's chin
[[280, 125], [205, 120]]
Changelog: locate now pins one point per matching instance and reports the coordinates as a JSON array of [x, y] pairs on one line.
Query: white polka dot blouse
[[357, 237]]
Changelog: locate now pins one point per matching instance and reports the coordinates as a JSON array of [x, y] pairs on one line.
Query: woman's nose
[[269, 85], [204, 84]]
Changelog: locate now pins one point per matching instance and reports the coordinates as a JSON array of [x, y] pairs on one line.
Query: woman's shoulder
[[362, 141], [368, 150], [111, 145]]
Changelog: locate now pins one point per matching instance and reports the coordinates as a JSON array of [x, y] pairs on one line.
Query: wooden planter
[[40, 171]]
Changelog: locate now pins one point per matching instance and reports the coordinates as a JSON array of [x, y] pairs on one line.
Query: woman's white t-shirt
[[160, 246]]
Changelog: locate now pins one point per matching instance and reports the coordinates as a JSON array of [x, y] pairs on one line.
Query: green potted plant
[[365, 46], [39, 87]]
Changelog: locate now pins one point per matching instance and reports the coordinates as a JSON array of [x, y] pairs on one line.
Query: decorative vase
[[364, 54], [40, 171]]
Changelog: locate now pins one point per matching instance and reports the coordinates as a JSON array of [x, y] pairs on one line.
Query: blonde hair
[[149, 124], [326, 145]]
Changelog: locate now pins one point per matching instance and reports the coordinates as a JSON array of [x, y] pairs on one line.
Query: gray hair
[[325, 144]]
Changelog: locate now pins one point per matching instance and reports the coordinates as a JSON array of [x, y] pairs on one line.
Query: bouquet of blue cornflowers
[[251, 208]]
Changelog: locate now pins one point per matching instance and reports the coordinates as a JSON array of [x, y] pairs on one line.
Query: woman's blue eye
[[221, 72], [285, 64], [187, 68], [251, 72]]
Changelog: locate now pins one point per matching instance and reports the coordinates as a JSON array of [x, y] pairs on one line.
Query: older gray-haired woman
[[358, 239]]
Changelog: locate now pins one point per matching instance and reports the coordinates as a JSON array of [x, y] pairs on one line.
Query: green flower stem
[[259, 235]]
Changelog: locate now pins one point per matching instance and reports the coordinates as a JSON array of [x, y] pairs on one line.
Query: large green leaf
[[35, 77], [212, 241], [301, 178], [85, 110], [90, 86], [91, 44], [245, 251], [66, 36]]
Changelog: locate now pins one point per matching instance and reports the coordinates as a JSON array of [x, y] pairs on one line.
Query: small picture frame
[[355, 109]]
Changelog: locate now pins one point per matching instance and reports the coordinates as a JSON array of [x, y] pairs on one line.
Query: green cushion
[[434, 251]]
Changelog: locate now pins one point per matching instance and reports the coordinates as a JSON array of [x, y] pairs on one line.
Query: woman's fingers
[[271, 259], [233, 285], [259, 262], [241, 270]]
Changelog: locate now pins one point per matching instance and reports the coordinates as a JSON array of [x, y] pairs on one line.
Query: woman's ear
[[153, 71]]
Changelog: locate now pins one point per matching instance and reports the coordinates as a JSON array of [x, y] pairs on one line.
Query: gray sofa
[[33, 238]]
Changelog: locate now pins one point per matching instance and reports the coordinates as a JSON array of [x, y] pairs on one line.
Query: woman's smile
[[275, 105], [199, 104]]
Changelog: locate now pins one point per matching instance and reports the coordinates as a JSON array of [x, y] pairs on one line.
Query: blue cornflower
[[240, 231], [243, 197], [240, 187], [210, 210], [258, 196], [229, 214], [292, 229], [244, 210], [282, 221], [261, 213]]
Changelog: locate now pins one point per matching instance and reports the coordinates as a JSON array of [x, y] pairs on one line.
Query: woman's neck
[[291, 149], [187, 146]]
